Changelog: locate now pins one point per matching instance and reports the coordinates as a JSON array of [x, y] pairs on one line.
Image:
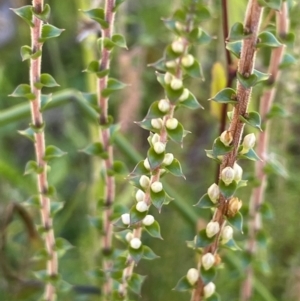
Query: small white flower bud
[[188, 60], [164, 105], [177, 46], [192, 276], [155, 138], [129, 236], [125, 218], [212, 229], [176, 83], [208, 260], [159, 147], [156, 187], [144, 181], [135, 243], [185, 94], [226, 138], [157, 123], [227, 234], [141, 206], [147, 164], [179, 26], [172, 123], [168, 77], [238, 172], [169, 157], [171, 64], [209, 289], [227, 175], [249, 141], [213, 192], [140, 195], [148, 220]]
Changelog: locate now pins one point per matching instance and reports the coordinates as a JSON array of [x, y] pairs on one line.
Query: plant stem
[[109, 193], [39, 144], [245, 68], [257, 197]]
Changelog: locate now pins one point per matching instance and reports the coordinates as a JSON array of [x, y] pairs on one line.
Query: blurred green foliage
[[76, 177]]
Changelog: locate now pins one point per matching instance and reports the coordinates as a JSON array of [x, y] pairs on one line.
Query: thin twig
[[257, 197]]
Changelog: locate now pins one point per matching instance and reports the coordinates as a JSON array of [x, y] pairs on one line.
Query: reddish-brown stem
[[39, 144], [257, 197], [245, 68], [109, 193]]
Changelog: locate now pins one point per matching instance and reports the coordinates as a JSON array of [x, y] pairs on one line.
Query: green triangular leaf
[[175, 168], [205, 202], [190, 103], [227, 190], [23, 90], [135, 283], [98, 15], [25, 12], [45, 14], [154, 230], [274, 4], [49, 32], [237, 221], [267, 39], [112, 86], [148, 254], [195, 70], [177, 134], [158, 198], [155, 160], [62, 246], [253, 119], [237, 32], [220, 149], [226, 95], [235, 48], [46, 80], [202, 240], [183, 285], [136, 216], [53, 152], [28, 133], [208, 275]]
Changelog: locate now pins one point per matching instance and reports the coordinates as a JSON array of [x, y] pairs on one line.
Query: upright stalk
[[39, 144], [257, 197]]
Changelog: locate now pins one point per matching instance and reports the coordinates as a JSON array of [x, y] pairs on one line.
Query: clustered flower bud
[[248, 142], [125, 218], [168, 77], [129, 236], [171, 64], [172, 123], [209, 289], [155, 138], [164, 105], [238, 172], [148, 220], [213, 192], [192, 276], [227, 175], [144, 181], [141, 206], [178, 46], [157, 123], [176, 83], [188, 60], [159, 147], [156, 187], [234, 206], [212, 229], [140, 195], [135, 243], [179, 26], [208, 260], [226, 234], [185, 94], [226, 138], [147, 164], [169, 157]]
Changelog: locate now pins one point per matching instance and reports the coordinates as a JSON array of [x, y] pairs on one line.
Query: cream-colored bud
[[226, 234], [212, 229], [176, 83], [192, 276], [188, 60], [172, 123], [179, 26], [213, 192], [129, 236], [177, 46], [168, 78], [135, 243], [171, 64], [157, 123], [227, 175], [238, 172], [147, 164], [148, 220], [164, 105], [249, 141], [156, 187], [208, 260], [209, 289], [144, 181], [125, 218], [226, 137], [234, 206], [141, 206], [159, 147], [155, 138], [169, 157], [185, 95], [140, 195]]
